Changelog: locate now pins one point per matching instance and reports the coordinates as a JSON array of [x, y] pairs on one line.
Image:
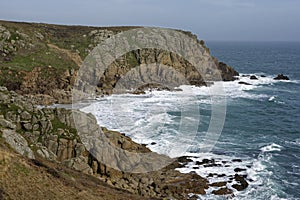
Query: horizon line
[[107, 26]]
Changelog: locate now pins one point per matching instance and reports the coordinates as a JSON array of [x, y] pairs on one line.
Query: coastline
[[41, 68], [36, 143]]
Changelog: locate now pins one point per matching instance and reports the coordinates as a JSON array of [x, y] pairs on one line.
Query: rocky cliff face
[[49, 134], [41, 60]]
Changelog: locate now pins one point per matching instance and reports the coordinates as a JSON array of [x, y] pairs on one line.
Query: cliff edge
[[42, 60]]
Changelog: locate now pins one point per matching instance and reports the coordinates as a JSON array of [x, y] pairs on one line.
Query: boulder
[[222, 191], [218, 184], [244, 83], [80, 163], [17, 142], [6, 124], [242, 183], [253, 77], [239, 169], [26, 116], [281, 77]]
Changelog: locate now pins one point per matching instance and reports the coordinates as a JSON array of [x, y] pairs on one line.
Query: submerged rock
[[239, 169], [244, 83]]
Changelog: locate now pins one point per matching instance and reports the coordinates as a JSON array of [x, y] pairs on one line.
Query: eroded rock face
[[56, 88], [228, 73], [17, 142], [51, 134], [47, 81]]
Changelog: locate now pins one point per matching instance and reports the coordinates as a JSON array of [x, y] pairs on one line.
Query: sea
[[262, 121]]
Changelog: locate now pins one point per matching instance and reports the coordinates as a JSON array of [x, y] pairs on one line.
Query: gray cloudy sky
[[275, 20]]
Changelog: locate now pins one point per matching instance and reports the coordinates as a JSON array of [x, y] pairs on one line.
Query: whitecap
[[272, 98], [271, 147]]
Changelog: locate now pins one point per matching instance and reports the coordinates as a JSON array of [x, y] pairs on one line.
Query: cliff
[[49, 142], [42, 60], [39, 64]]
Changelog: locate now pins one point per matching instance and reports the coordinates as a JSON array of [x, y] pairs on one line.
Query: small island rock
[[281, 77], [253, 77]]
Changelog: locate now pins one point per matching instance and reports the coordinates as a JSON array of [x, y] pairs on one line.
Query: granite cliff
[[49, 141], [39, 64], [41, 60]]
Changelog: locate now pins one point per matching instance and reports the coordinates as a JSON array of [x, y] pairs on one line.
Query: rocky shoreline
[[39, 65], [42, 60], [50, 134]]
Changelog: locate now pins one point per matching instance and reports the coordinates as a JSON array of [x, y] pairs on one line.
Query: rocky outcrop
[[23, 178], [50, 134], [10, 41], [253, 77], [227, 72], [18, 143], [178, 72], [41, 60], [281, 77], [56, 88], [244, 83]]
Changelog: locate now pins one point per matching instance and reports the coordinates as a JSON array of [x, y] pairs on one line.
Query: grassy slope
[[63, 40], [21, 178]]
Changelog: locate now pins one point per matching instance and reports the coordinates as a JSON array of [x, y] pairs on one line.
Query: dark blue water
[[252, 124], [262, 125]]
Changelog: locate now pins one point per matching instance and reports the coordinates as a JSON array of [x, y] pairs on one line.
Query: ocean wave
[[294, 142], [272, 98], [255, 169], [271, 147], [160, 113], [151, 119], [275, 100]]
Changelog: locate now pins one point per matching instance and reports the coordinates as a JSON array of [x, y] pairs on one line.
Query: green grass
[[21, 169], [56, 124], [4, 108], [131, 59], [43, 58]]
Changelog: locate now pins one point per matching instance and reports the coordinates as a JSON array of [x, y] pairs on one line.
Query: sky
[[225, 20]]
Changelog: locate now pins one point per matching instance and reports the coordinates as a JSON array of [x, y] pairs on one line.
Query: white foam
[[271, 147], [267, 80], [272, 98], [235, 90], [150, 117], [295, 142], [146, 118]]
